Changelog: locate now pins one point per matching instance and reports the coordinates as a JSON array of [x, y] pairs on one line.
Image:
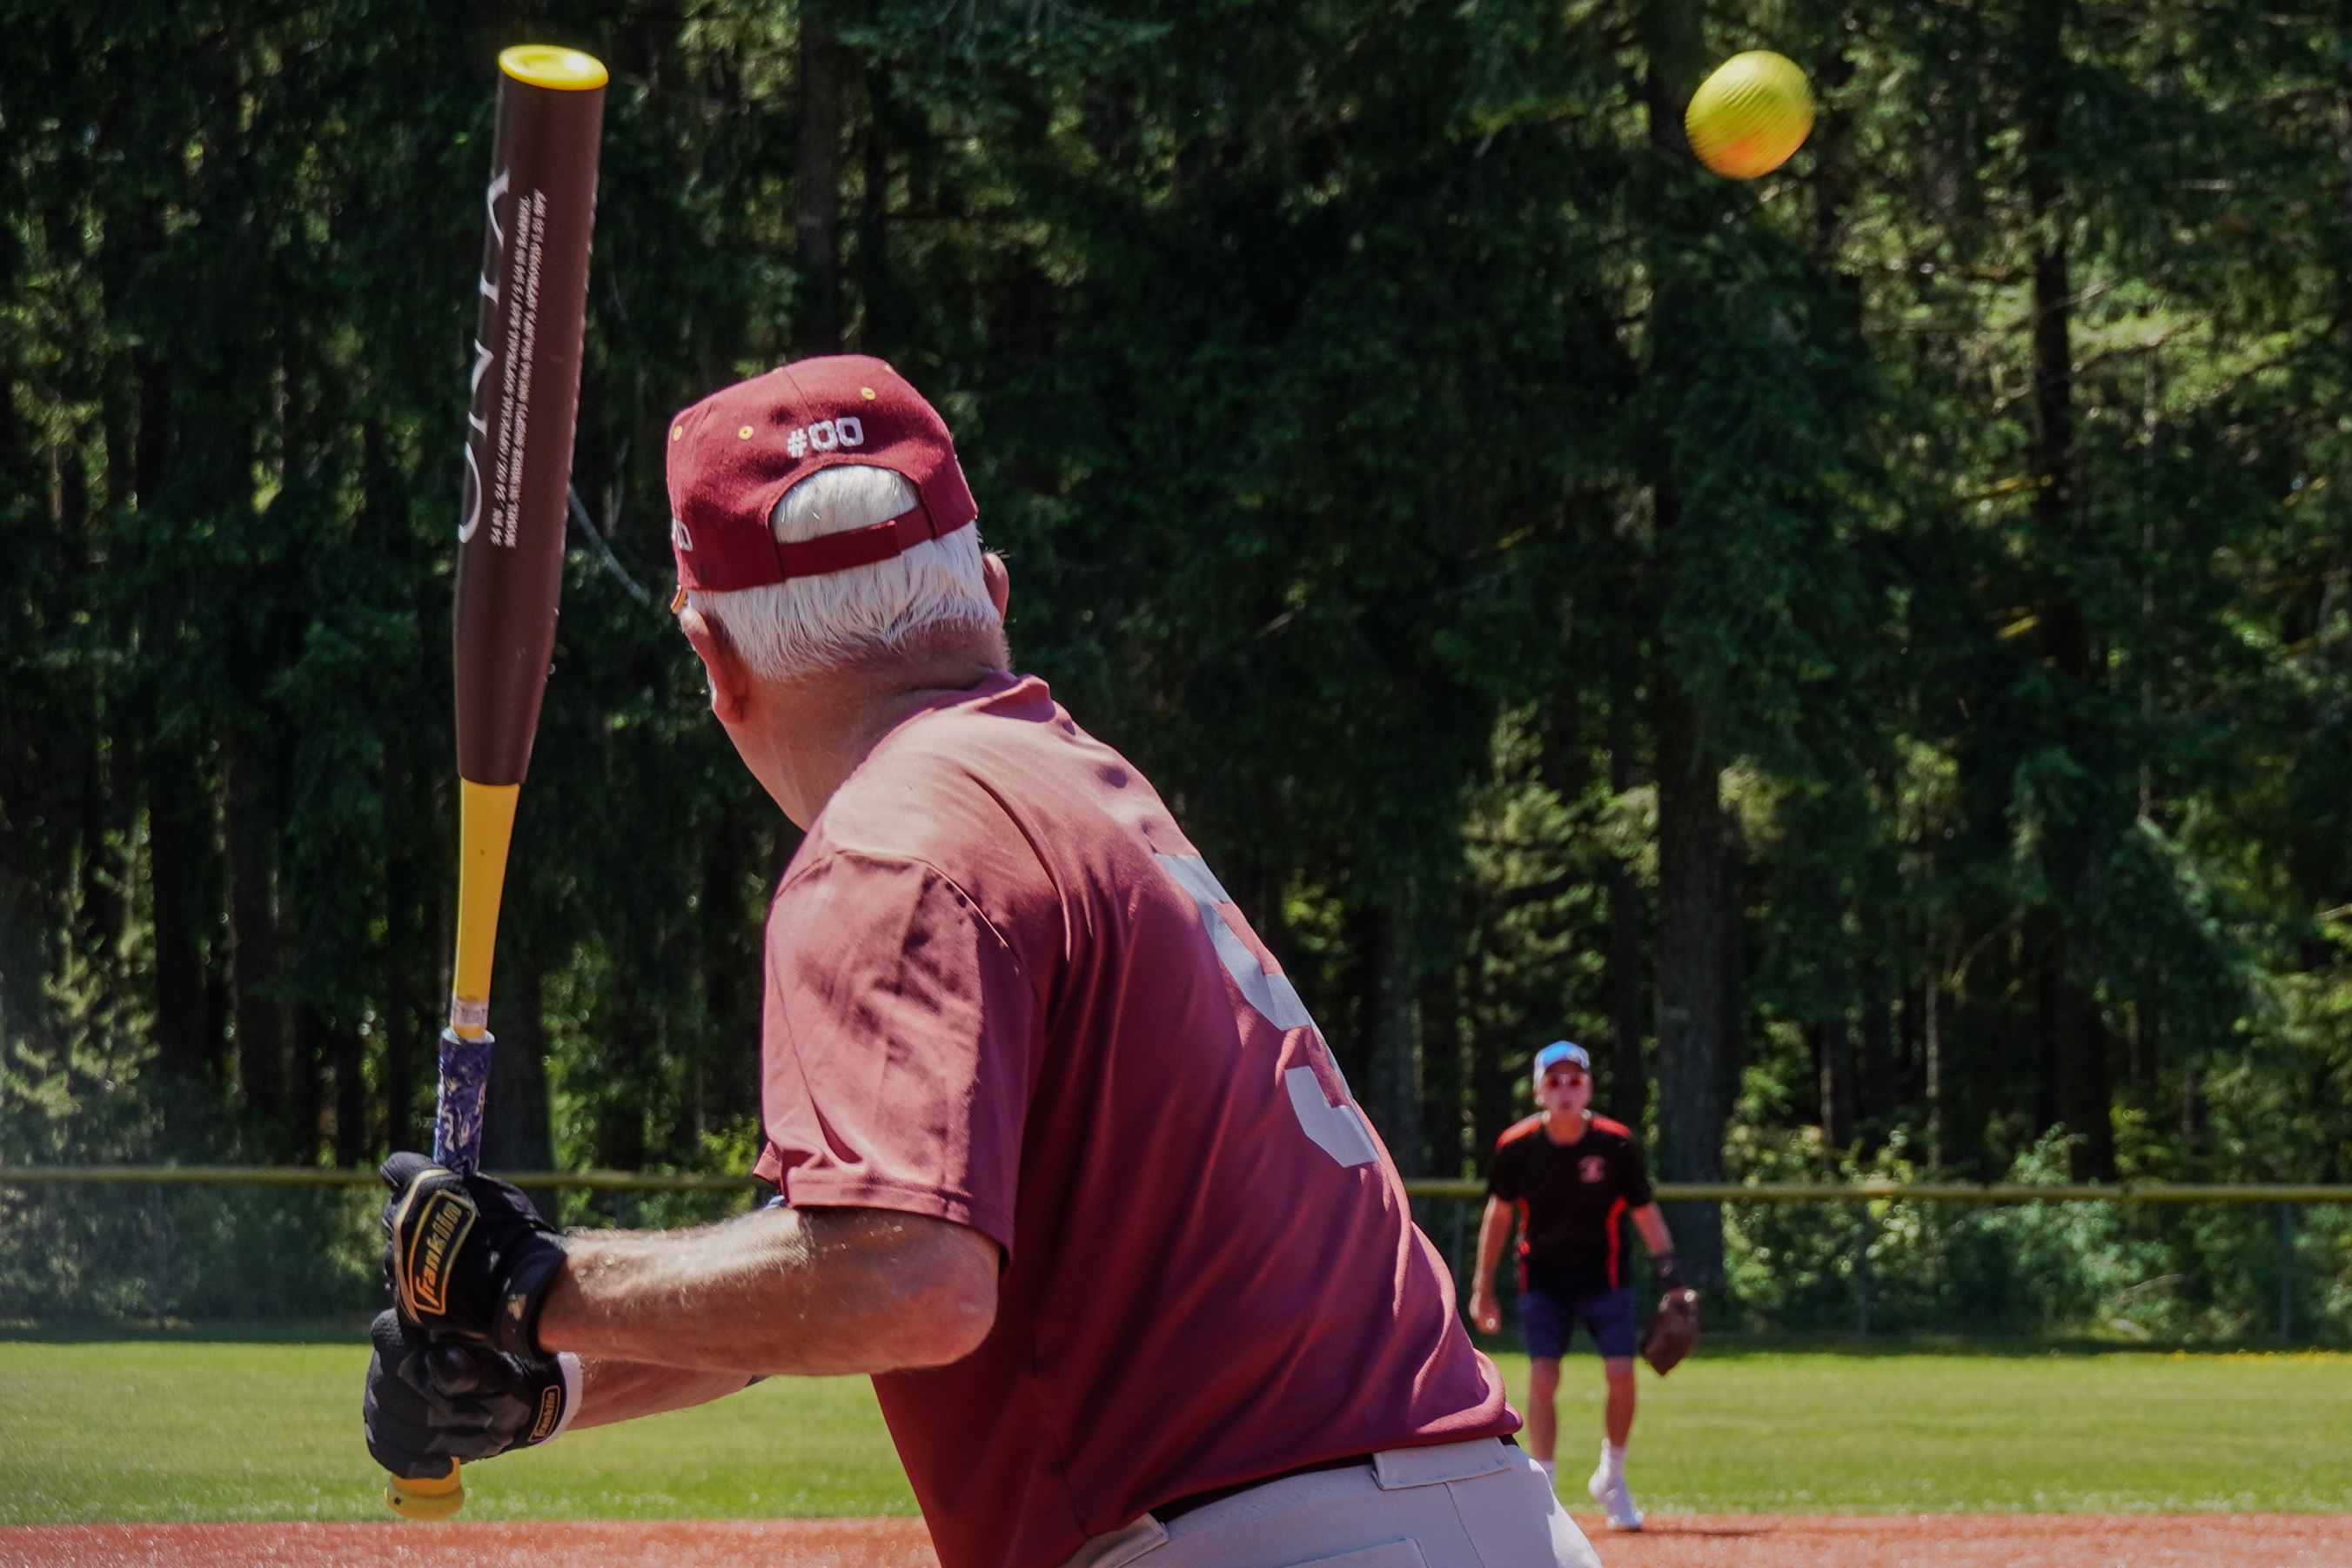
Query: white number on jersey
[[1338, 1130]]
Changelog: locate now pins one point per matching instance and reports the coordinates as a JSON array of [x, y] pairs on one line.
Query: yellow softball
[[1750, 115]]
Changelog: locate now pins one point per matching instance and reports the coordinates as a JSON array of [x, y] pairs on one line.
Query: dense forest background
[[1869, 650]]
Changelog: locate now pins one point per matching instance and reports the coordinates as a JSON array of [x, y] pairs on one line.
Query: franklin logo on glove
[[468, 1256], [437, 1232], [551, 1411]]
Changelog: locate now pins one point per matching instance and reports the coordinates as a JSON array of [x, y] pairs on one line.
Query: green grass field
[[246, 1429]]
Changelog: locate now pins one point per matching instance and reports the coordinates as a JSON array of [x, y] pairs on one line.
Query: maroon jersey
[[1569, 1197], [1002, 989]]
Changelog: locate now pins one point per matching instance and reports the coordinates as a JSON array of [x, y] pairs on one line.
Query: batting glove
[[428, 1403], [466, 1256]]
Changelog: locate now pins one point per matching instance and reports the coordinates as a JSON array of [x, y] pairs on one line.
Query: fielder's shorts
[[1480, 1504], [1550, 1323]]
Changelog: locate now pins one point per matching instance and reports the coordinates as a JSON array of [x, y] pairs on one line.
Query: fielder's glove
[[427, 1403], [466, 1256], [1673, 1333]]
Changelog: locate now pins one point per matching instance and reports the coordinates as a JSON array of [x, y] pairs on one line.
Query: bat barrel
[[539, 210]]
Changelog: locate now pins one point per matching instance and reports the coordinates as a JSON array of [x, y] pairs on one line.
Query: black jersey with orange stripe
[[1570, 1198]]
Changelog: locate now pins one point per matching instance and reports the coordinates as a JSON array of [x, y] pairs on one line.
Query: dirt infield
[[1983, 1541], [598, 1543], [1729, 1540]]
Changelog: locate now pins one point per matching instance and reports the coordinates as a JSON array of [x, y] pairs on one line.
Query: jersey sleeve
[[897, 1050], [1503, 1174], [1633, 1176]]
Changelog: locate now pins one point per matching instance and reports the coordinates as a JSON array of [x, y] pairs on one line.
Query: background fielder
[[1568, 1176]]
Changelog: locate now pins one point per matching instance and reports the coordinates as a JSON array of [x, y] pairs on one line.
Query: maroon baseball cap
[[733, 455]]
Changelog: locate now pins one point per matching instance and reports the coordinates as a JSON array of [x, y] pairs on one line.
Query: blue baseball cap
[[1560, 1051]]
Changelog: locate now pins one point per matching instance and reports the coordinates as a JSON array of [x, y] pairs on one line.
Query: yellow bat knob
[[430, 1499]]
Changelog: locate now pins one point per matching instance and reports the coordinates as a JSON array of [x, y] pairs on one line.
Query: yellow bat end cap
[[428, 1501], [546, 65]]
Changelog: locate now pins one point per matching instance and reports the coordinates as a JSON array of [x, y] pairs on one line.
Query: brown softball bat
[[1673, 1333], [537, 213]]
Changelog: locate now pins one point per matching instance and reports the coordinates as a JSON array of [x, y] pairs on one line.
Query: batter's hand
[[1485, 1311], [466, 1256], [427, 1403]]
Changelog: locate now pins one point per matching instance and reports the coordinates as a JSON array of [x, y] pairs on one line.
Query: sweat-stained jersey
[[1002, 989], [1569, 1197]]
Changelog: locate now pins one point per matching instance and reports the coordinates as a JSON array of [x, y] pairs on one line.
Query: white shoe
[[1610, 1492]]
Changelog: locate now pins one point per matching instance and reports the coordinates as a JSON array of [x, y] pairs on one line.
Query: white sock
[[1550, 1470], [1612, 1461]]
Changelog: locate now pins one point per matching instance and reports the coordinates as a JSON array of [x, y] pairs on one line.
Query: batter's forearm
[[783, 1292], [613, 1391]]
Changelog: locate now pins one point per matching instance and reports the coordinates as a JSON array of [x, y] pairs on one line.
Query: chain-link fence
[[2157, 1264]]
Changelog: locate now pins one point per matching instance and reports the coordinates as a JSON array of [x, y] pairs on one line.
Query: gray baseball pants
[[1480, 1504]]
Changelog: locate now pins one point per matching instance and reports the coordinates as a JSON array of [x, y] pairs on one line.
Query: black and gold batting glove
[[428, 1403], [466, 1256]]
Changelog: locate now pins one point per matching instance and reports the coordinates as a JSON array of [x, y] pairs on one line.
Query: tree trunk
[[1676, 53], [174, 846], [1692, 890], [518, 1127], [309, 1044], [1560, 741], [255, 1007], [1733, 1062], [1692, 982], [351, 1096], [1874, 1069], [407, 932], [1443, 1059], [874, 322], [2086, 1087], [1931, 1058], [151, 447], [2048, 1024], [2073, 1081], [1834, 1069], [2145, 1036], [2072, 1084], [1628, 1086], [24, 1014], [817, 185], [1395, 1051]]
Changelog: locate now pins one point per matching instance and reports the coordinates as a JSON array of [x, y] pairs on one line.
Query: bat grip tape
[[457, 1113]]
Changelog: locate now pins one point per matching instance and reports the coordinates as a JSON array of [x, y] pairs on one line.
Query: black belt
[[1177, 1507]]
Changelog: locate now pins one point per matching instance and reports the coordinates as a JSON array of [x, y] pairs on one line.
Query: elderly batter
[[1065, 1163]]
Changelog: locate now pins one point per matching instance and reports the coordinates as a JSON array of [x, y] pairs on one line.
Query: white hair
[[790, 630]]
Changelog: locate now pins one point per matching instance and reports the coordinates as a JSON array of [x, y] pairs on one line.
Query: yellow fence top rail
[[331, 1176], [1427, 1187]]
